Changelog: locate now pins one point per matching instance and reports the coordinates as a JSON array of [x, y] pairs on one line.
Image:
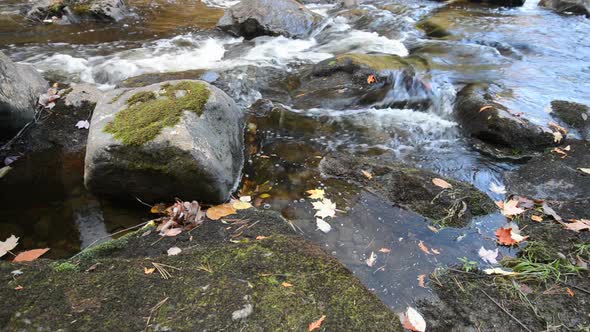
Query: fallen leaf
[[371, 260], [557, 136], [30, 255], [324, 208], [570, 292], [241, 205], [264, 196], [316, 193], [246, 199], [499, 271], [149, 270], [549, 211], [219, 211], [432, 228], [423, 247], [577, 225], [371, 79], [488, 256], [8, 245], [584, 170], [5, 170], [511, 208], [508, 237], [172, 232], [323, 225], [174, 251], [261, 237], [558, 127], [413, 321], [497, 188], [367, 174], [385, 250], [536, 218], [158, 208], [83, 124], [286, 285], [421, 279], [19, 287], [560, 151], [441, 183], [317, 324], [435, 251], [487, 107]]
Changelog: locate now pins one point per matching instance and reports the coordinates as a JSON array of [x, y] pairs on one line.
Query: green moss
[[433, 29], [65, 267], [141, 97], [81, 9], [380, 62], [143, 121], [117, 97]]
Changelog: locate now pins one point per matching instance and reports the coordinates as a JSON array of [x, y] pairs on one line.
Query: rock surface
[[213, 284], [81, 94], [412, 188], [76, 11], [503, 3], [574, 115], [173, 139], [20, 88], [483, 118], [576, 7], [254, 18]]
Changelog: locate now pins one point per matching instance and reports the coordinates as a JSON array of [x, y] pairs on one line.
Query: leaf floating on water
[[497, 188], [8, 245], [324, 208], [421, 279], [509, 237], [317, 324], [219, 211], [423, 247], [432, 228], [488, 256], [174, 251], [441, 183], [371, 260], [323, 225], [385, 250], [316, 193], [435, 251], [30, 255], [413, 321]]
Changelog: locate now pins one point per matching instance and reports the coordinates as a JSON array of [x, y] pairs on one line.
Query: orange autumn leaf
[[423, 247], [317, 324], [371, 79], [367, 174], [30, 255], [507, 236], [570, 292], [441, 183], [219, 211], [421, 279], [286, 285], [148, 270]]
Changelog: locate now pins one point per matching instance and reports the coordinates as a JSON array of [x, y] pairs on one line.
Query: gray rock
[[20, 87], [576, 7], [482, 117], [503, 3], [574, 115], [254, 18], [200, 157], [76, 11], [83, 93]]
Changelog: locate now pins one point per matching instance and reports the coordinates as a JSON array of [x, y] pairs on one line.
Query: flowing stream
[[535, 54]]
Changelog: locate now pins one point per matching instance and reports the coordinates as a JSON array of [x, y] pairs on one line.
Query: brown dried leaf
[[317, 324], [367, 174], [286, 285], [441, 183], [219, 211], [423, 247], [30, 255], [421, 279]]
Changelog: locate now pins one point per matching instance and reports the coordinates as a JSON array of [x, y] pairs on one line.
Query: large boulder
[[254, 18], [573, 115], [350, 81], [172, 139], [489, 121], [576, 7], [75, 11], [20, 88]]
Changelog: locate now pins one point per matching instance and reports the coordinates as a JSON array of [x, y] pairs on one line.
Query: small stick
[[505, 311], [154, 309]]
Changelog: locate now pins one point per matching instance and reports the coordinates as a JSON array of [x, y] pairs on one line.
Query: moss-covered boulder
[[568, 7], [277, 283], [412, 188], [173, 139], [76, 11], [484, 118], [350, 81], [573, 115]]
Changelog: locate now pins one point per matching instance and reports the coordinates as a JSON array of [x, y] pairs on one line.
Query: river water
[[534, 54]]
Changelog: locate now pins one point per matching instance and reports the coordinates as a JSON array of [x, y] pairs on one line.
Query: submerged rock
[[412, 188], [282, 281], [75, 11], [350, 81], [576, 7], [173, 139], [503, 3], [483, 118], [20, 88], [254, 18], [574, 115]]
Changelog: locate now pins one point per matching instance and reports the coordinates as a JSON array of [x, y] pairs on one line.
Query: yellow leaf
[[241, 205], [148, 270], [265, 195], [219, 211], [316, 193], [441, 183]]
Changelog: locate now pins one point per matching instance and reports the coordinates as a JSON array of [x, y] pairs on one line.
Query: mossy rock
[[574, 115], [279, 283], [152, 78], [376, 62], [412, 188]]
